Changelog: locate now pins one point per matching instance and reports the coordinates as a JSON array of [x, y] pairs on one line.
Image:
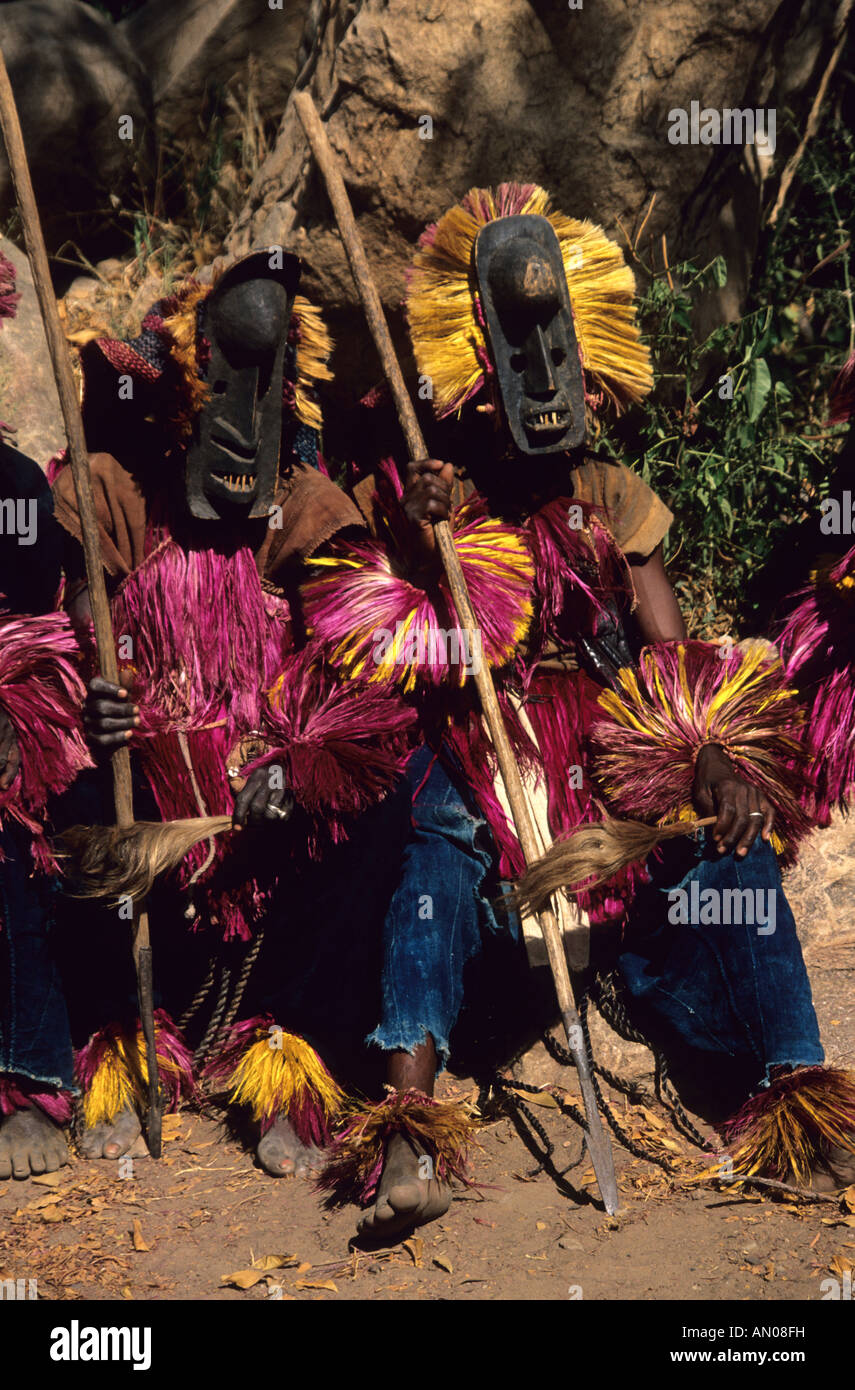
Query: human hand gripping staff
[[105, 646]]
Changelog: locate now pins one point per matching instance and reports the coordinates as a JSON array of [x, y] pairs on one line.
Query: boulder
[[80, 92], [194, 50], [29, 403]]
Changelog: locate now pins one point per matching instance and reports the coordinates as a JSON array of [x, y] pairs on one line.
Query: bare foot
[[281, 1154], [30, 1142], [406, 1195], [834, 1171], [123, 1136]]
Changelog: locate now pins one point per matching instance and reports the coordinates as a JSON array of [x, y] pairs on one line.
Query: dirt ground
[[205, 1224]]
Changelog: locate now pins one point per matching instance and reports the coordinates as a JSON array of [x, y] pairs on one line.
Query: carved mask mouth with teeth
[[529, 322], [233, 462]]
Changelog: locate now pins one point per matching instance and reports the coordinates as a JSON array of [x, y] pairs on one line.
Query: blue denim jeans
[[737, 989], [732, 989], [440, 915], [35, 1041]]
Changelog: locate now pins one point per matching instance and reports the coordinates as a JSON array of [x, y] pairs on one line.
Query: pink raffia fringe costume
[[596, 727], [40, 699], [209, 650]]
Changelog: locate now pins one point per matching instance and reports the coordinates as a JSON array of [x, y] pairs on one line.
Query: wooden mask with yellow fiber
[[529, 323], [502, 276], [233, 461]]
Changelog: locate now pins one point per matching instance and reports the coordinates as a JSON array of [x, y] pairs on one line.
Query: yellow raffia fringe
[[182, 328], [271, 1079], [787, 1140], [313, 354], [449, 343], [633, 710], [121, 1079], [491, 548]]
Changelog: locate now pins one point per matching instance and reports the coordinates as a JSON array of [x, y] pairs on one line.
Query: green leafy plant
[[733, 437]]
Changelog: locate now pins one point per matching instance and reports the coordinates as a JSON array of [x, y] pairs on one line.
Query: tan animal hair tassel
[[102, 861], [591, 855]]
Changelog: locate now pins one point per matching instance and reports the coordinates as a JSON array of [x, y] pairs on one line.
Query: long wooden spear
[[598, 1143], [79, 460]]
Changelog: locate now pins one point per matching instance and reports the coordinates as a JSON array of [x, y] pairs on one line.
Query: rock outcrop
[[424, 98]]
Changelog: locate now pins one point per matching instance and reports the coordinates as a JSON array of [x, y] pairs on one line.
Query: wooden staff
[[79, 459], [598, 1143]]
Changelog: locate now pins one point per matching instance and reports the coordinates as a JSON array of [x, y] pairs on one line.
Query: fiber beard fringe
[[363, 590], [797, 1122], [817, 643], [104, 861], [443, 1130], [277, 1073], [112, 1070], [589, 856]]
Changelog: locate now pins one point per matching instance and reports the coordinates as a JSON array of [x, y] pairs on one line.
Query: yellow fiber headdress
[[443, 306]]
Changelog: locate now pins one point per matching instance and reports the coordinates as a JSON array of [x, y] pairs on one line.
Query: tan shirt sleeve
[[119, 506], [636, 517], [314, 509]]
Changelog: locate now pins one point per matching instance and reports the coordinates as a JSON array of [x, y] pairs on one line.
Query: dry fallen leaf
[[126, 1292], [444, 1263], [848, 1197], [540, 1225], [137, 1237], [274, 1261], [39, 1203], [46, 1180], [841, 1264], [171, 1127], [415, 1248], [243, 1278], [316, 1284], [538, 1098], [304, 1267], [652, 1119]]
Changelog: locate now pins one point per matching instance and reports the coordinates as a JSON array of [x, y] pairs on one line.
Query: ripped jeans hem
[[416, 1037], [793, 1063]]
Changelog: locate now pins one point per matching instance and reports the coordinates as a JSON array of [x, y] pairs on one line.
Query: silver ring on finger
[[761, 814], [277, 811]]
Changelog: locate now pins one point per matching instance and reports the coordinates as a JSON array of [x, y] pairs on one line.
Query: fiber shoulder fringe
[[277, 1073], [817, 644], [42, 694], [795, 1125], [113, 1073], [441, 1129], [686, 694]]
